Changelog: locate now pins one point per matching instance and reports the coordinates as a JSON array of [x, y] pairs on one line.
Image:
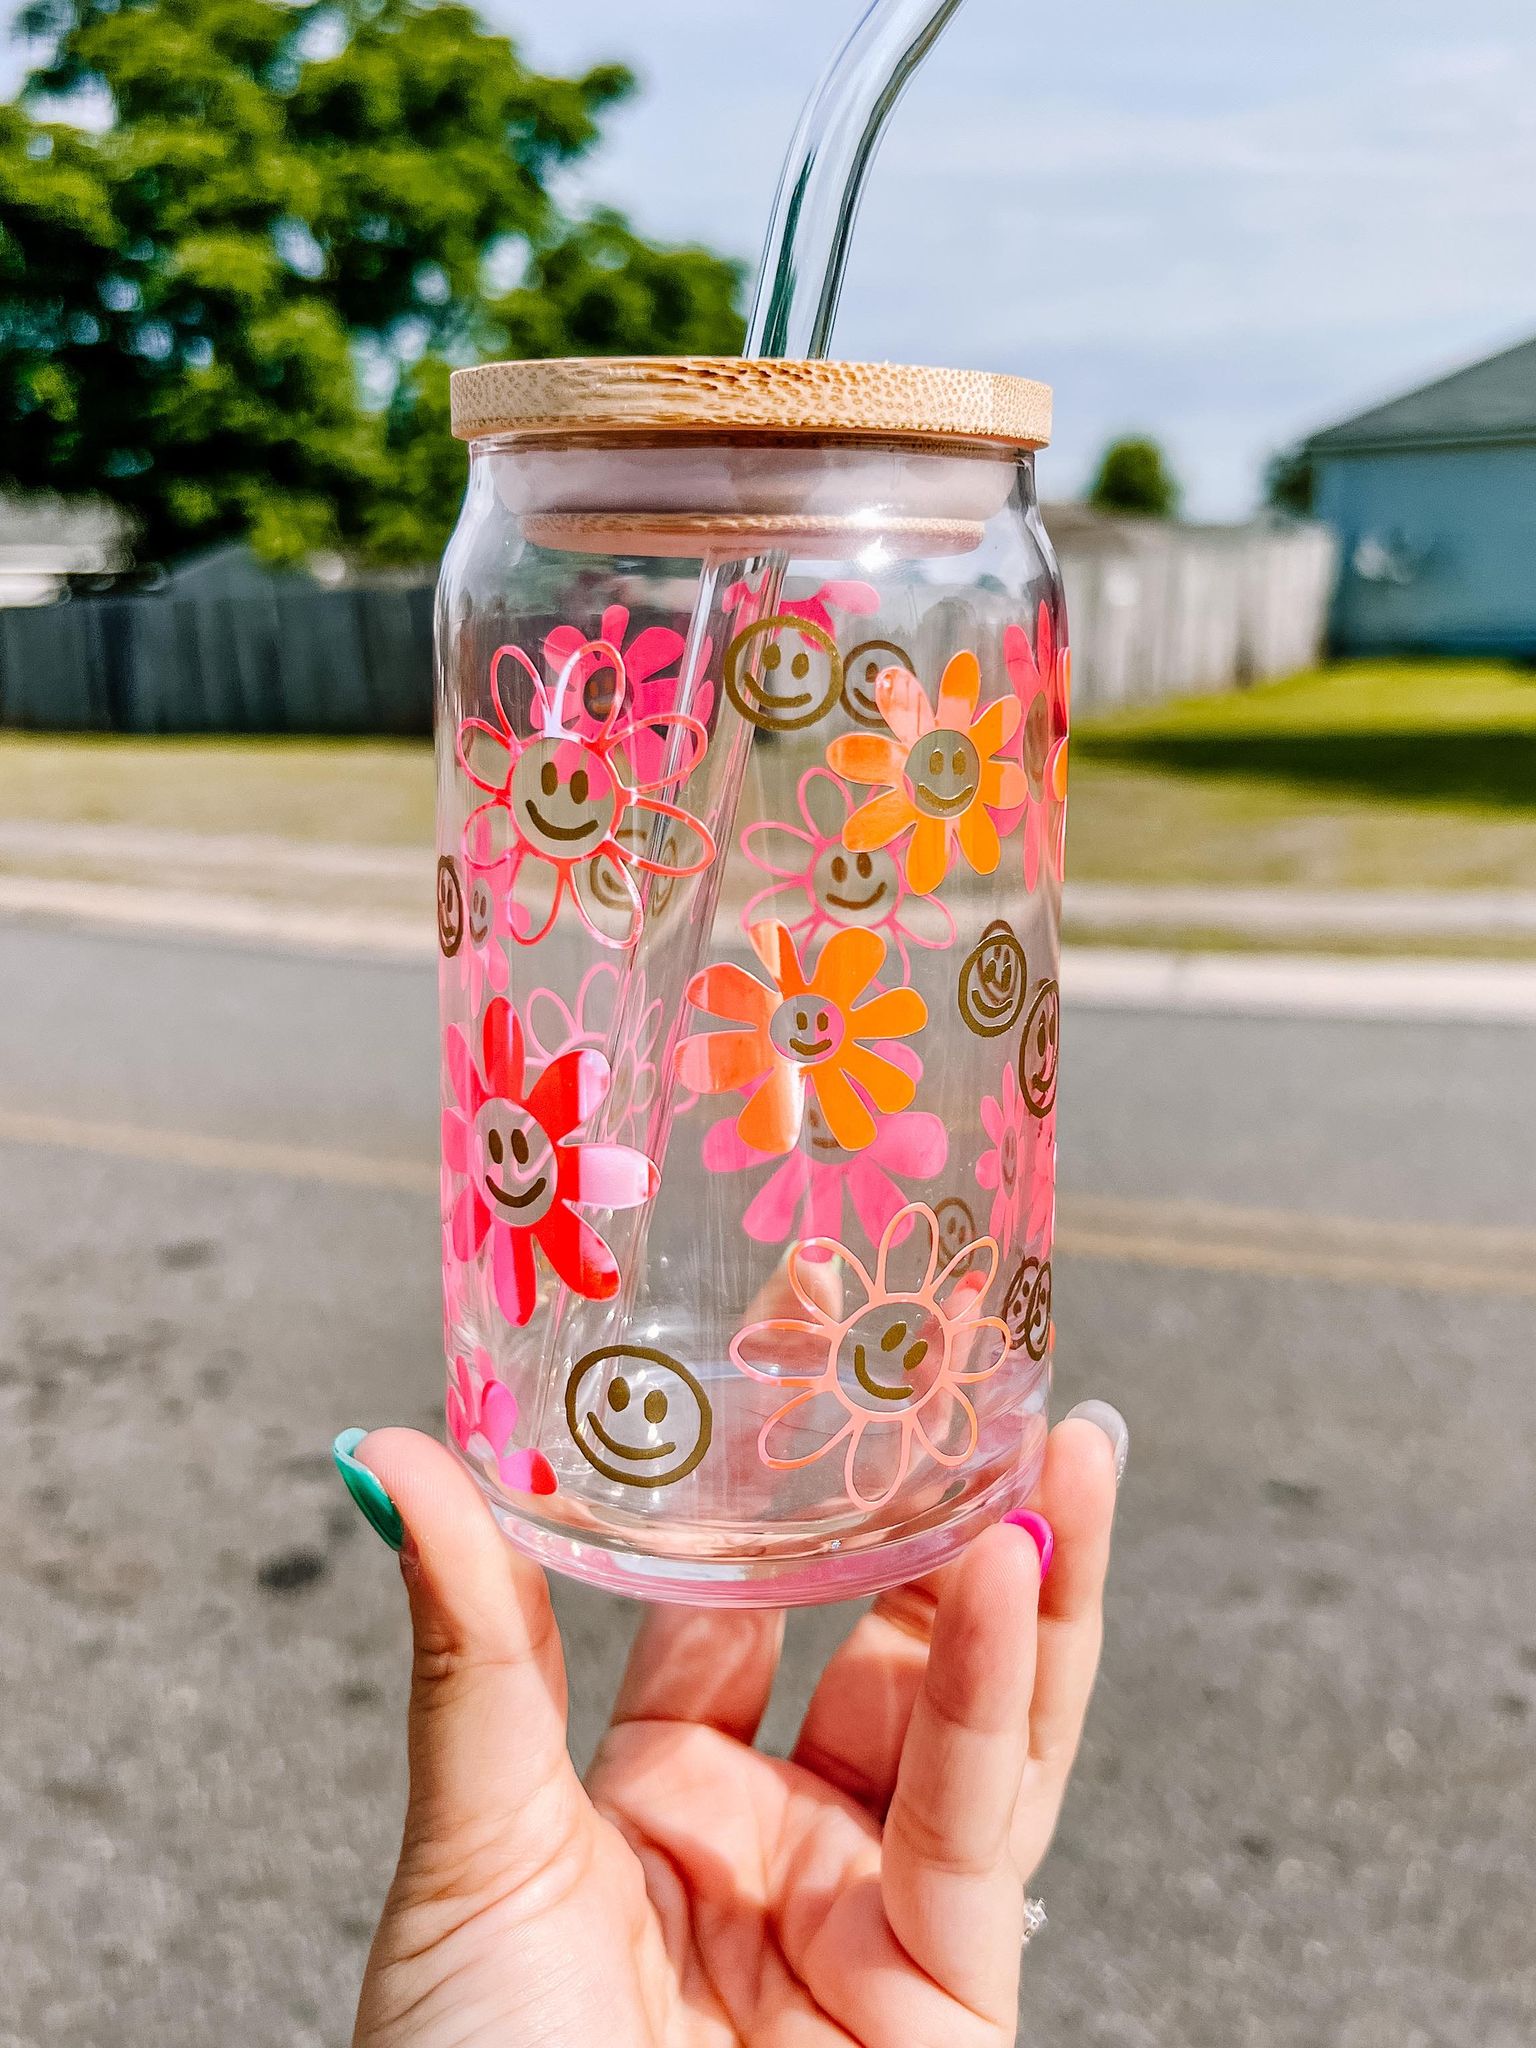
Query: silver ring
[[1034, 1920]]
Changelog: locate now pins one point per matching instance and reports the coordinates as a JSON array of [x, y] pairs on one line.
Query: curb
[[1093, 977], [1300, 985]]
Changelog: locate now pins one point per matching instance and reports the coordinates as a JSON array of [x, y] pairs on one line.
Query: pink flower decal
[[525, 1173], [613, 1014], [462, 1311], [819, 885], [568, 813], [1042, 681], [805, 1193], [488, 921], [482, 1419], [1004, 1118], [744, 603], [651, 665], [879, 1364], [1038, 1185]]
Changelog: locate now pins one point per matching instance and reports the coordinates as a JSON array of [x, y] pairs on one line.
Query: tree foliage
[[1290, 482], [1133, 476], [243, 241]]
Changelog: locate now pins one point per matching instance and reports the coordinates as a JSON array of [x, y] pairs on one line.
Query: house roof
[[1494, 400]]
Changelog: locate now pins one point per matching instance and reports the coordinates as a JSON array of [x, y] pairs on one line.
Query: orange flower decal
[[940, 773], [803, 1033]]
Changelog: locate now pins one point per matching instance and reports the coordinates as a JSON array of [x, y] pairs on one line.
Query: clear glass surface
[[749, 951]]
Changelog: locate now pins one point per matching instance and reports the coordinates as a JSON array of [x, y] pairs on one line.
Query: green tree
[[1133, 476], [1290, 482], [242, 242]]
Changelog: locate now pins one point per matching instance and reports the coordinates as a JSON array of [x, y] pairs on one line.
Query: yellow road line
[[1215, 1237], [1152, 1248], [1179, 1236], [217, 1154]]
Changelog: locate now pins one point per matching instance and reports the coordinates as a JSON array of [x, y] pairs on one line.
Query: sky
[[1223, 222]]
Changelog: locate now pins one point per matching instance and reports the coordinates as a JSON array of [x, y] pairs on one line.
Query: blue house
[[1433, 499]]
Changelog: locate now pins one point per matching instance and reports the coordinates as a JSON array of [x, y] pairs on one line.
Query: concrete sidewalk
[[374, 902], [261, 864], [1358, 914]]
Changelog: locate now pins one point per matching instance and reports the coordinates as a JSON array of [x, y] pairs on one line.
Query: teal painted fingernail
[[378, 1509]]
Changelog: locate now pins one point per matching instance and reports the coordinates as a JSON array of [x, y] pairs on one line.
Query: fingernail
[[1039, 1530], [1113, 1424], [379, 1511]]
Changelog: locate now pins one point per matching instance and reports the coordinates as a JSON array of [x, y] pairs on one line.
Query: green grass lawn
[[1364, 775], [367, 792], [1368, 775]]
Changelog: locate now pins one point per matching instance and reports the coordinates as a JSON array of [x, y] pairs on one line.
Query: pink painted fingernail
[[1040, 1530]]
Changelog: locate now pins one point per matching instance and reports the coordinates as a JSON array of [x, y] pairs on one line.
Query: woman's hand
[[870, 1890]]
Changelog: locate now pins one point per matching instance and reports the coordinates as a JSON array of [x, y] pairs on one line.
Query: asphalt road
[[1306, 1812]]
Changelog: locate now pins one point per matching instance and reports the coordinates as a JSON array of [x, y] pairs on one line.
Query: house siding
[[1456, 530]]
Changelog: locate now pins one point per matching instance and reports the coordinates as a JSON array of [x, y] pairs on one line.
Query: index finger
[[950, 1888]]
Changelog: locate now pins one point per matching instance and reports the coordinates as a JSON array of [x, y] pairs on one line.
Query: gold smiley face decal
[[956, 1230], [482, 911], [1027, 1307], [1037, 740], [890, 1355], [943, 774], [564, 798], [636, 1415], [450, 907], [993, 981], [1038, 1050], [514, 1163], [816, 1133], [856, 888], [807, 1029], [861, 670], [783, 673], [599, 689]]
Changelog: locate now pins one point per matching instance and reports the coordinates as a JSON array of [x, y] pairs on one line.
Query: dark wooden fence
[[287, 660]]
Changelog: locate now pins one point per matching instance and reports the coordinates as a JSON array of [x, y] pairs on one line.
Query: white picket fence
[[1163, 610]]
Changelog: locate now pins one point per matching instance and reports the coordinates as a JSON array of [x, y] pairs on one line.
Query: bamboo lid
[[742, 396]]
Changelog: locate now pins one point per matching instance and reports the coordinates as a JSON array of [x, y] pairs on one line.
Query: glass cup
[[752, 721]]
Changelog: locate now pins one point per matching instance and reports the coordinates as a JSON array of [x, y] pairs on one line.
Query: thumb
[[492, 1785]]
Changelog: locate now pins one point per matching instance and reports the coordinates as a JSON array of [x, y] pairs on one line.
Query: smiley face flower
[[1037, 1196], [803, 1033], [941, 775], [525, 1174], [1005, 1120], [489, 918], [569, 813], [1042, 681], [877, 1367], [815, 884]]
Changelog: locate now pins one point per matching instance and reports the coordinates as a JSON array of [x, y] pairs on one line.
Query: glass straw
[[800, 280], [799, 283], [805, 255]]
